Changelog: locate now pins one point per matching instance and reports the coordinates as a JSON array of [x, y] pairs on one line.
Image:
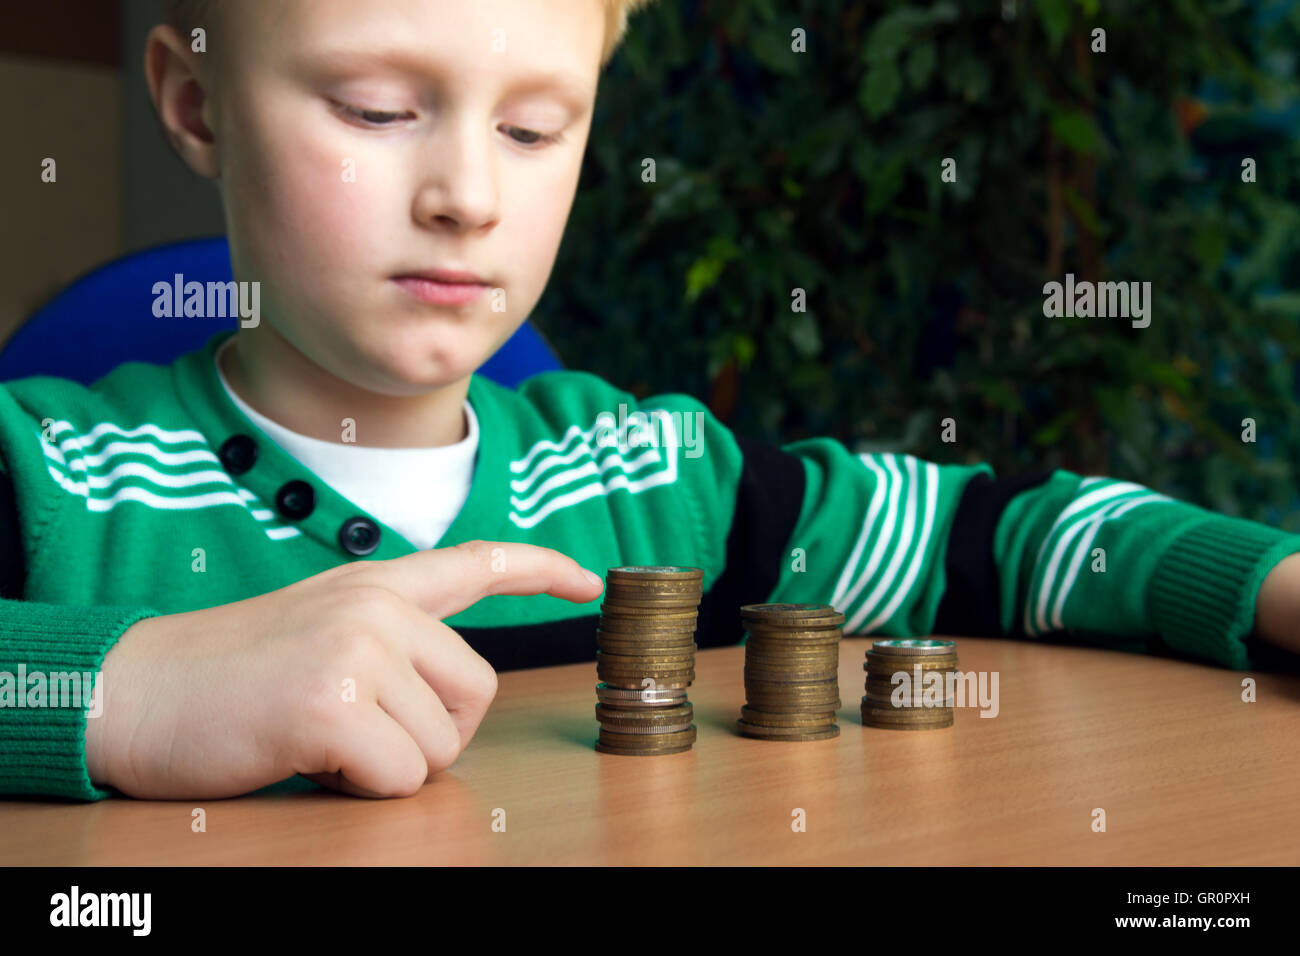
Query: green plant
[[778, 170]]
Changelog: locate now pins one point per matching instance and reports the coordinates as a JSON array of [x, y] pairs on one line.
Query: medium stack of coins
[[916, 659], [792, 661], [645, 660]]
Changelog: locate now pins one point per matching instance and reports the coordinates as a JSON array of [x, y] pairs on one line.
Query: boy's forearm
[[1277, 607]]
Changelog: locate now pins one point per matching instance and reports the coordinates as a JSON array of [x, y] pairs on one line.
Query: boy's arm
[[1277, 610], [42, 748], [906, 547]]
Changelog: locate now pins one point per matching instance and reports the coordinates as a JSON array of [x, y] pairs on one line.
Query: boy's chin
[[412, 376], [416, 361]]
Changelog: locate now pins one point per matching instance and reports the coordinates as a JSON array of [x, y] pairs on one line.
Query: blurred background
[[820, 171]]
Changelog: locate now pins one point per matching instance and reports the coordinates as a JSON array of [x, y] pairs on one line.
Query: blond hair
[[185, 15]]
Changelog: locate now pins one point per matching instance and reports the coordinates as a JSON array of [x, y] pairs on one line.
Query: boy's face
[[457, 179]]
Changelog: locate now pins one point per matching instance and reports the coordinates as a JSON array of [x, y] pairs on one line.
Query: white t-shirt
[[415, 491]]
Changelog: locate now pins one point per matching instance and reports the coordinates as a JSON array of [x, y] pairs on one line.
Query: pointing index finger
[[446, 581]]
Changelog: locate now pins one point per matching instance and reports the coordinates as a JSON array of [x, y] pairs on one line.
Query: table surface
[[1186, 772]]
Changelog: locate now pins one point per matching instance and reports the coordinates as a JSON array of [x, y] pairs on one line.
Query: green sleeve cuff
[[1204, 589], [43, 748]]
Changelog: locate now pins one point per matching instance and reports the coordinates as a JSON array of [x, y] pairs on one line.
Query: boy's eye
[[531, 138], [373, 117], [525, 137]]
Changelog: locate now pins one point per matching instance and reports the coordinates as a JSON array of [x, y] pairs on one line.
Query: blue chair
[[106, 318]]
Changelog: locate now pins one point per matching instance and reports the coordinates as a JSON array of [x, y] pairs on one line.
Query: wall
[[72, 89]]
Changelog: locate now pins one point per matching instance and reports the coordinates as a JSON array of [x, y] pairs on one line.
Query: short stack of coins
[[792, 662], [907, 705], [645, 659]]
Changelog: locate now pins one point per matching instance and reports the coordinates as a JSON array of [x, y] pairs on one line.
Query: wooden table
[[1186, 771]]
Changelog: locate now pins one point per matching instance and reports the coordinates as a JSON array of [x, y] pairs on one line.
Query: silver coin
[[648, 693], [654, 729]]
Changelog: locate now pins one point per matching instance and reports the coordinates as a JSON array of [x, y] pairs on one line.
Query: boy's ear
[[176, 86]]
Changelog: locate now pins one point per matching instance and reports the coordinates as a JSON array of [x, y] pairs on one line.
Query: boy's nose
[[459, 185]]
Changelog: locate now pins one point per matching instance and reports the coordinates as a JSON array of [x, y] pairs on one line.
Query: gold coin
[[778, 705], [907, 663], [628, 752], [648, 622], [917, 696], [633, 680], [649, 668], [826, 652], [636, 650], [789, 612], [790, 691], [646, 657], [810, 675], [806, 675], [763, 718], [618, 613], [773, 733], [650, 730], [656, 587], [918, 716], [810, 688], [673, 714], [788, 638], [794, 708], [801, 660], [628, 606], [645, 741], [882, 671], [905, 725], [644, 706]]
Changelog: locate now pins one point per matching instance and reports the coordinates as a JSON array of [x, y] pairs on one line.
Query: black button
[[238, 453], [295, 500], [359, 536]]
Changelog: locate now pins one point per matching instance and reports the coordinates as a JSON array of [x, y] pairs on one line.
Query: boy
[[257, 541]]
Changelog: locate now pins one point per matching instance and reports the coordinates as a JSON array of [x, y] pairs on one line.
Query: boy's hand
[[222, 701], [1277, 606]]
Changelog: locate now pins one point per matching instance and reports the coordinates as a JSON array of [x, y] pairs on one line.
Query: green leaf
[[1287, 303], [1055, 15], [969, 77], [1076, 130], [1083, 211], [891, 33], [1163, 373], [744, 349], [885, 185], [920, 64], [804, 334], [880, 88], [943, 13], [1001, 395], [704, 272], [771, 47], [1210, 245], [1054, 431]]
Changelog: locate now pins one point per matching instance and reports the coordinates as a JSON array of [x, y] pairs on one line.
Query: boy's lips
[[442, 286]]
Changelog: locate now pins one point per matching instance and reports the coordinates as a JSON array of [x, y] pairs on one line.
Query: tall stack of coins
[[645, 659], [792, 661], [906, 705]]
